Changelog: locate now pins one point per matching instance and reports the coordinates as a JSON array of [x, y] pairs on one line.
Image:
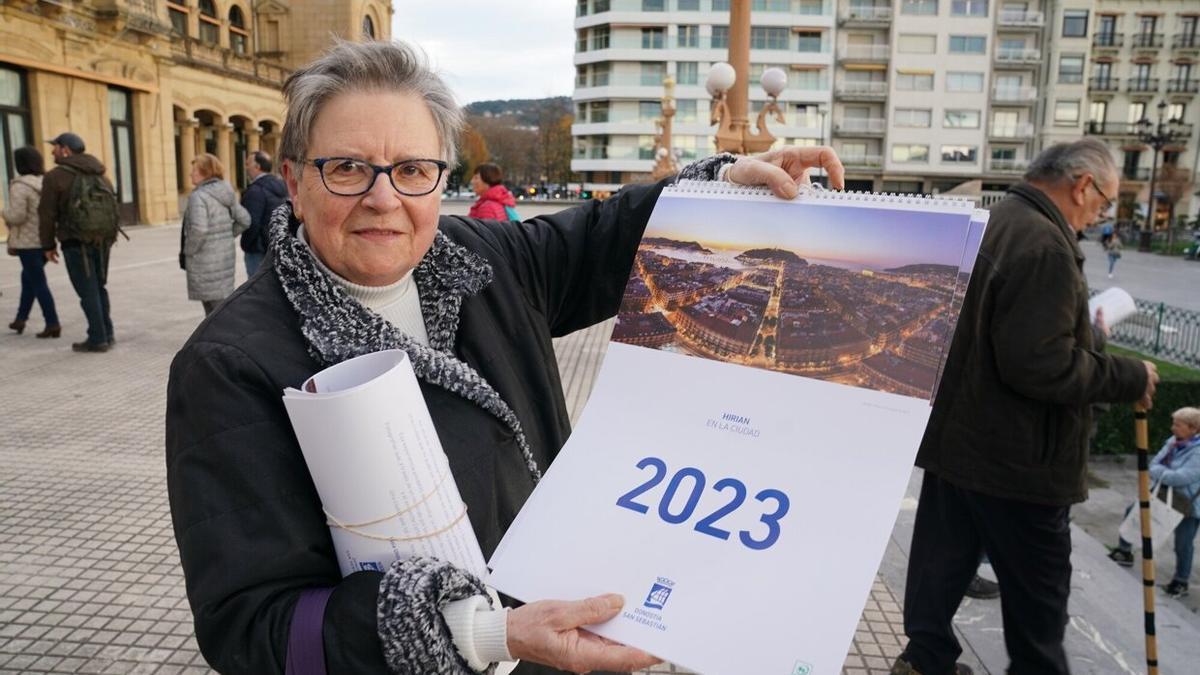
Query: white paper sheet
[[373, 452], [1117, 304]]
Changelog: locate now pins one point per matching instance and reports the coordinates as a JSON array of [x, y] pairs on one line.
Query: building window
[[581, 7], [1070, 68], [686, 110], [1066, 113], [807, 80], [755, 74], [178, 14], [910, 153], [687, 72], [972, 82], [654, 38], [720, 36], [654, 5], [959, 153], [688, 36], [914, 81], [368, 28], [14, 122], [1075, 23], [768, 37], [599, 112], [808, 41], [968, 7], [580, 76], [653, 73], [210, 26], [968, 44], [1004, 123], [961, 119], [600, 37], [688, 5], [600, 73], [916, 44], [239, 37], [599, 6], [1004, 154], [920, 7], [1176, 111], [913, 117], [720, 5], [649, 111], [811, 7], [1137, 111], [771, 5]]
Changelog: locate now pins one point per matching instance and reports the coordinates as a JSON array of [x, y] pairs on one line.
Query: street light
[[728, 83], [1162, 134]]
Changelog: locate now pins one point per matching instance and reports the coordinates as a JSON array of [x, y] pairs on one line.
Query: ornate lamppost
[[729, 85], [665, 161], [1161, 134]]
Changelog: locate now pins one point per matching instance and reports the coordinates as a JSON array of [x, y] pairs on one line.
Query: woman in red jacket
[[495, 201]]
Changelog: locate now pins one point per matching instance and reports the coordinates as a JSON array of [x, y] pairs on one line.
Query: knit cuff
[[480, 632], [708, 168], [412, 629]]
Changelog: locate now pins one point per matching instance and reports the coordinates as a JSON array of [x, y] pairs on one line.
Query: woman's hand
[[548, 632], [784, 169]]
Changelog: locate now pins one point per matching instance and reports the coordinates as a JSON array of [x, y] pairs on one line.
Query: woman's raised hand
[[783, 170], [549, 632]]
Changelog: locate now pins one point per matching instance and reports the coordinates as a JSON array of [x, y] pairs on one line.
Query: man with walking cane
[[1005, 451]]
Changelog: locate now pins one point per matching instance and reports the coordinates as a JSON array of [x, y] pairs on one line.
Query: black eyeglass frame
[[1108, 202], [320, 162]]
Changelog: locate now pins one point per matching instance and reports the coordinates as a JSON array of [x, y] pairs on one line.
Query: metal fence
[[1162, 331]]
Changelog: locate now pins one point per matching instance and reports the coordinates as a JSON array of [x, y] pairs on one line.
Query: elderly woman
[[211, 224], [361, 262]]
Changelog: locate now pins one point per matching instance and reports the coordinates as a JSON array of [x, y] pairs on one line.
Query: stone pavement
[[1147, 276], [89, 574]]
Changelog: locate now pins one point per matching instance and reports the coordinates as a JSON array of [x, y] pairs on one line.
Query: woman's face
[[373, 239], [195, 176], [478, 185], [1183, 430]]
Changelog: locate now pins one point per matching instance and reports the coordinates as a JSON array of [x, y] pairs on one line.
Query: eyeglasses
[[1108, 203], [350, 177]]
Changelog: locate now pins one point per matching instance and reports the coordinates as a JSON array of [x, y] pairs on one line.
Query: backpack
[[91, 210], [511, 213]]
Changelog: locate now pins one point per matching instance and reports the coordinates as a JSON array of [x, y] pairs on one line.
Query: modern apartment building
[[625, 48]]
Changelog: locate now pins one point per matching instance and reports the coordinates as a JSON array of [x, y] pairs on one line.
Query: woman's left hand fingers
[[782, 169]]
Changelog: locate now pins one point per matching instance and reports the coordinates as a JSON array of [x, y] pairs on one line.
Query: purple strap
[[306, 643]]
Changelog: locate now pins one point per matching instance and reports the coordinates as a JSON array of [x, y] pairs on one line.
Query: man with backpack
[[265, 192], [79, 208]]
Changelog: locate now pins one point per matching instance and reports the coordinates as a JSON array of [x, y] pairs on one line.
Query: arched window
[[210, 27], [368, 27], [239, 37]]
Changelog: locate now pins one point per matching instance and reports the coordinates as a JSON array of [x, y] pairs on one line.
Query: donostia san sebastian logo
[[659, 592], [802, 668]]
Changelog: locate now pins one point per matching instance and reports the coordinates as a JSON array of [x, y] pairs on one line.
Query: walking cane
[[1142, 441]]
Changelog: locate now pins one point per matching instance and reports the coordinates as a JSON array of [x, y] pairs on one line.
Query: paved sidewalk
[[1147, 276]]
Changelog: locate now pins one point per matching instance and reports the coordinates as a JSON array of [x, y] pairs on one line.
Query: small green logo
[[802, 668]]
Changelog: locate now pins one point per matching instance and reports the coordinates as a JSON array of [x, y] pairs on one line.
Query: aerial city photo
[[833, 294]]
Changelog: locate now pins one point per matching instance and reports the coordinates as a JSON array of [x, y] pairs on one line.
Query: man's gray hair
[[1067, 161], [365, 66]]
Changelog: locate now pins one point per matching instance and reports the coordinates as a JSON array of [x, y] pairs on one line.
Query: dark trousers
[[88, 268], [1029, 546], [35, 287]]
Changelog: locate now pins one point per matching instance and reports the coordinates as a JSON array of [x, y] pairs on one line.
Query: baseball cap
[[69, 141]]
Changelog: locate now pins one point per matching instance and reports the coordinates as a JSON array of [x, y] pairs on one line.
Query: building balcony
[[862, 161], [1184, 130], [864, 52], [1008, 165], [1138, 174], [1022, 131], [1146, 40], [878, 15], [1096, 128], [1017, 57], [1186, 41], [1183, 86], [1100, 83], [1018, 95], [1108, 40], [1142, 84], [1020, 18], [862, 90], [865, 126], [189, 51]]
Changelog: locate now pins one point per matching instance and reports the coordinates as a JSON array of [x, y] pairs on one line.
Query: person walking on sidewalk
[[1005, 450], [265, 192], [1112, 248], [495, 201], [211, 222], [25, 242], [1177, 465], [79, 208]]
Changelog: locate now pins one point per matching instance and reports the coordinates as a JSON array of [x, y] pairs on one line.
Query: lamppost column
[[738, 98]]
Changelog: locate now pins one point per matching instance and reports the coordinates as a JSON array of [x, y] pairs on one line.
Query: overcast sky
[[494, 49]]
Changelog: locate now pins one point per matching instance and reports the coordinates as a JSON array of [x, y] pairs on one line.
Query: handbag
[[1163, 520]]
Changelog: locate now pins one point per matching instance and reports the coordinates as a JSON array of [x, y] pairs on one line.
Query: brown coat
[[56, 189]]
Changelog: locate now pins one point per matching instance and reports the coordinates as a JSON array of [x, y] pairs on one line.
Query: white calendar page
[[740, 462]]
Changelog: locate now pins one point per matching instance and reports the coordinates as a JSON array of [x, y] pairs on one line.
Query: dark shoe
[[902, 667], [1176, 589], [982, 589], [1121, 557], [18, 326], [86, 346], [50, 332]]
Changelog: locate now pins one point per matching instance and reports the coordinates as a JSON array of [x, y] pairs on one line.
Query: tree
[[1173, 184], [473, 151]]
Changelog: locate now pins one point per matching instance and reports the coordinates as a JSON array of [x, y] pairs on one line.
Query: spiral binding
[[817, 192]]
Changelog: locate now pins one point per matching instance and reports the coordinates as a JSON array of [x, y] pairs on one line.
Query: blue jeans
[[1112, 263], [34, 286], [1185, 545], [88, 268], [253, 260]]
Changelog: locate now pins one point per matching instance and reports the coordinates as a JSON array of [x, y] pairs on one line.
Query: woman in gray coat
[[211, 224]]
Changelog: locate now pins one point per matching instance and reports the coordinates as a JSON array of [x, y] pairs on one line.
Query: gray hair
[[1066, 161], [365, 66], [1189, 416]]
